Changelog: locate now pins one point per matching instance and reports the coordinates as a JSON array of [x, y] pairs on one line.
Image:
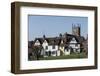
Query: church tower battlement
[[76, 29]]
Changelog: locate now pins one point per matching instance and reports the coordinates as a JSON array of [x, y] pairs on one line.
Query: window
[[46, 47], [46, 53], [54, 52], [49, 53], [53, 46], [76, 45]]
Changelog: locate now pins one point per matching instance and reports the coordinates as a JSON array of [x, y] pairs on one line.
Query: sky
[[52, 26]]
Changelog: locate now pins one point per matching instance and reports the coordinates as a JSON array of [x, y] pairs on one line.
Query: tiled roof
[[57, 40], [79, 39], [51, 41]]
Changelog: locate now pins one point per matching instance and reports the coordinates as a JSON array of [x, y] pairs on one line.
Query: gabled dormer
[[37, 43], [73, 40], [45, 42]]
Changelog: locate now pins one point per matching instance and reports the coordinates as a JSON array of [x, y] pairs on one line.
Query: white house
[[49, 47], [75, 45], [50, 50], [63, 49]]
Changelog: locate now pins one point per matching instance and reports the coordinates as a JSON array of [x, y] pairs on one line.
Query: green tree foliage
[[37, 52]]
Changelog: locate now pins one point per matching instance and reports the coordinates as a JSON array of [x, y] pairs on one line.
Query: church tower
[[76, 29]]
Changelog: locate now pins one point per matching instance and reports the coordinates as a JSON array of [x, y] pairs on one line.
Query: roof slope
[[57, 40]]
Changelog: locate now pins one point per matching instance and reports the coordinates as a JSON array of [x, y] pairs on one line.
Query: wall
[[5, 35]]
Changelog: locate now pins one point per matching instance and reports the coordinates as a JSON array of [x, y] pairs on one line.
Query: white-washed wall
[[45, 44], [37, 42], [50, 48], [67, 51], [73, 44]]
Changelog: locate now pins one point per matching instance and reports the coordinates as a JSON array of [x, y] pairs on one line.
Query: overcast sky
[[51, 26]]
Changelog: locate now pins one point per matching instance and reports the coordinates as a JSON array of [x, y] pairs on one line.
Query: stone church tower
[[76, 29]]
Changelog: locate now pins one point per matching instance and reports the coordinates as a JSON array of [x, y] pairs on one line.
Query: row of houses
[[56, 46]]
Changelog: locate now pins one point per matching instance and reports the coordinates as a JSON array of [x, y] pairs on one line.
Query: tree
[[37, 51]]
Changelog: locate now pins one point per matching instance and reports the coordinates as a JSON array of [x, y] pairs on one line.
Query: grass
[[71, 56]]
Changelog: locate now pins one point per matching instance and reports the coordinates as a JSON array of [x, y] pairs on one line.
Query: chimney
[[60, 35], [44, 36]]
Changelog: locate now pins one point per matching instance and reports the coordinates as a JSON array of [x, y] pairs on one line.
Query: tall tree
[[37, 51]]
